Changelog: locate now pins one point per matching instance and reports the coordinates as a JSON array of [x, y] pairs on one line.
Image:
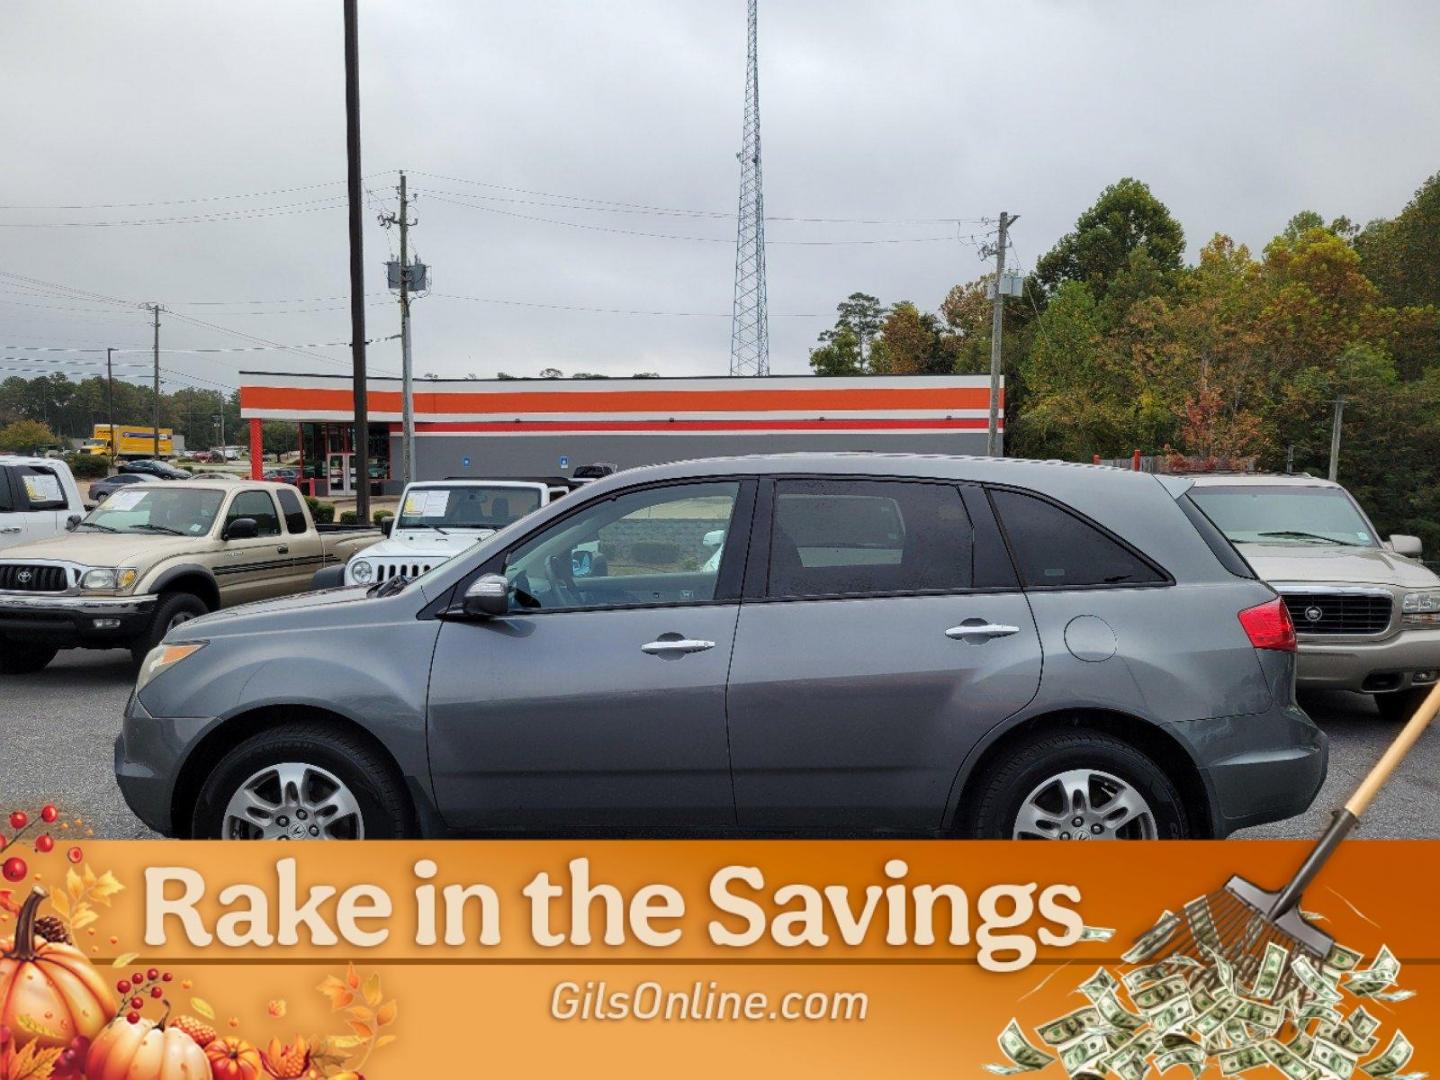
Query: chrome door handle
[[979, 629], [283, 549], [672, 646]]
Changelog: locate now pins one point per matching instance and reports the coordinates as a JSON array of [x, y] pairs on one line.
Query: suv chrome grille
[[16, 577], [1339, 613]]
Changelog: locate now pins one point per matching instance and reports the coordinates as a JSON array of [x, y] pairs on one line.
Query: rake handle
[[1346, 819]]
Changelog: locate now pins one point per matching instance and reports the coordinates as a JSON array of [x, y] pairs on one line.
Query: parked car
[[215, 474], [102, 489], [161, 470], [38, 498], [887, 645], [153, 556], [283, 476], [438, 519], [1367, 611]]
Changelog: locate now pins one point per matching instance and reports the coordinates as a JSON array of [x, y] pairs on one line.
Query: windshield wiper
[[425, 525], [95, 525], [389, 586], [156, 528], [1298, 534]]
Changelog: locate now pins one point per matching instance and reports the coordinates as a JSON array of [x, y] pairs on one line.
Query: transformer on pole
[[750, 328]]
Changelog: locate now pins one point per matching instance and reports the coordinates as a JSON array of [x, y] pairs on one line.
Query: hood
[[1330, 564], [421, 542], [90, 548], [238, 620]]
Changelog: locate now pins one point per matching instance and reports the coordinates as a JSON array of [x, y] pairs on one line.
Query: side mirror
[[1402, 544], [72, 522], [488, 597], [241, 529], [387, 526]]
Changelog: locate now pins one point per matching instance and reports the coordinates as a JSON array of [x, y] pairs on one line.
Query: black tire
[[384, 807], [1399, 705], [20, 659], [1001, 792], [172, 610]]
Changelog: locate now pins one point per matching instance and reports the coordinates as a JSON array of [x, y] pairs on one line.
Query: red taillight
[[1268, 626]]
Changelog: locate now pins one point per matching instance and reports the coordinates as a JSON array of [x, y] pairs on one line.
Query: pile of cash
[[1198, 1011]]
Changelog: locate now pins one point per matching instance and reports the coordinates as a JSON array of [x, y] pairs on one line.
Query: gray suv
[[886, 644]]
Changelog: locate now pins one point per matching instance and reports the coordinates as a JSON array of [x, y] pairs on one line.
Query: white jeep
[[438, 519]]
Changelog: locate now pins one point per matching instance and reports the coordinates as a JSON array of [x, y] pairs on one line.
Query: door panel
[[561, 720], [857, 713]]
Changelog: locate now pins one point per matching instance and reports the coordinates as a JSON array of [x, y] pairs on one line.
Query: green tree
[[1399, 255], [1125, 217], [26, 437], [839, 355]]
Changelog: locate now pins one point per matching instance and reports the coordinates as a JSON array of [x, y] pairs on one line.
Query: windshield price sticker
[[42, 487], [427, 504], [124, 500]]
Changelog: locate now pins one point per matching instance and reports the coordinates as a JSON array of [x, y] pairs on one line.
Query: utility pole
[[997, 327], [357, 263], [404, 273], [1335, 438], [110, 401], [156, 353]]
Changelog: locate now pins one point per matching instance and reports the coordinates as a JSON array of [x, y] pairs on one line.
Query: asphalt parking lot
[[57, 728]]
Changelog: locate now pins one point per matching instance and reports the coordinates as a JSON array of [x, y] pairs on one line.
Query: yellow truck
[[129, 442]]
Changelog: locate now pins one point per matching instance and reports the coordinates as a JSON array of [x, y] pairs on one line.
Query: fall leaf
[[339, 994], [73, 884], [28, 1023], [60, 902], [276, 1008], [372, 990], [365, 1031], [384, 1040], [352, 977], [124, 959], [105, 887], [33, 1063], [338, 1043], [203, 1007], [386, 1013]]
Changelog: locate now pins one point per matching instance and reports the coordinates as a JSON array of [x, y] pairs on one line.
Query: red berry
[[123, 986], [15, 869], [152, 974], [156, 992], [137, 1003], [19, 819], [166, 977], [48, 813], [133, 1017], [44, 843], [138, 978], [75, 854]]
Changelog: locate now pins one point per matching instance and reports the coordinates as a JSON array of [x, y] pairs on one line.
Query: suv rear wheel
[[302, 782], [1077, 784], [17, 658]]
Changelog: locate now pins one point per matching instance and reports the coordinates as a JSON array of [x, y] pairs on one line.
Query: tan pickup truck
[[153, 556]]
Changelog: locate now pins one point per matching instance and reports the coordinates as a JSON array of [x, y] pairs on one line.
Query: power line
[[624, 311], [231, 215], [179, 202]]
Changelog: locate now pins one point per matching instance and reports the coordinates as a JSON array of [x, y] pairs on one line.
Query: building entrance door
[[342, 474]]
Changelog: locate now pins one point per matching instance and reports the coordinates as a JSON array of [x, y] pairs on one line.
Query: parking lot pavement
[[57, 728]]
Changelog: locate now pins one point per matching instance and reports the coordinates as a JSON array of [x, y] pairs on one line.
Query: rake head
[[1235, 925]]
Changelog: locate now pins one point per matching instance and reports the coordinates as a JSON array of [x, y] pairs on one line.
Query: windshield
[[466, 507], [156, 508], [1255, 514]]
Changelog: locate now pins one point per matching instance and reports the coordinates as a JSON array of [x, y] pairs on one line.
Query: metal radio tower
[[750, 329]]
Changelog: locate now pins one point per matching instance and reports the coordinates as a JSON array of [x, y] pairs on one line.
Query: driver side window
[[658, 546]]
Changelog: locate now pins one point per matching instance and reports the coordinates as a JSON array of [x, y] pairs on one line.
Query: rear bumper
[[1389, 664], [1259, 768], [75, 621]]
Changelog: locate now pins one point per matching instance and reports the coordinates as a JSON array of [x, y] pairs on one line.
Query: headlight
[[1420, 608], [361, 571], [164, 657], [120, 578]]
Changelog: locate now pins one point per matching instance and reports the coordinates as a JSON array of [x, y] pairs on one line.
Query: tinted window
[[293, 511], [40, 488], [1225, 551], [856, 538], [7, 502], [1052, 547], [659, 546], [257, 505]]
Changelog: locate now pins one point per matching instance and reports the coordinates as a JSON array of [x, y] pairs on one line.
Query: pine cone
[[52, 929]]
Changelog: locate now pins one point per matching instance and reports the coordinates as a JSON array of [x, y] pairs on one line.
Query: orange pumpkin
[[50, 984], [145, 1051], [233, 1059]]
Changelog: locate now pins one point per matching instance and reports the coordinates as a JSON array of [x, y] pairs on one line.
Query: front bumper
[[1367, 666], [149, 752], [1259, 768], [75, 621]]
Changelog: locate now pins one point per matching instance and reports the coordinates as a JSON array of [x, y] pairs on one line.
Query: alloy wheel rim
[[293, 800], [1085, 804]]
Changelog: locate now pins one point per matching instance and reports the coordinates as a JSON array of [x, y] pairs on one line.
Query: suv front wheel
[[1077, 784]]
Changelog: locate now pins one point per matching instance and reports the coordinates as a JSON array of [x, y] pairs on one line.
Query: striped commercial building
[[525, 427]]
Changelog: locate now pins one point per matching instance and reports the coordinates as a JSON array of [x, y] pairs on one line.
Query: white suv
[[38, 497]]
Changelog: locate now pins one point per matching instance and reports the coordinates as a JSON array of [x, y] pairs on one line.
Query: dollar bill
[[1153, 940], [1213, 1019], [1096, 933], [1267, 1017], [1115, 1014], [1335, 1060], [1342, 959], [1241, 1059], [1319, 987], [1202, 923], [1396, 1056], [1083, 1052], [1378, 976], [1391, 996], [1287, 1061], [1162, 993], [1142, 976], [1361, 1022], [1223, 971], [1023, 1056], [1345, 1037], [1192, 1057], [1272, 966], [1069, 1027], [1173, 1015], [1099, 984]]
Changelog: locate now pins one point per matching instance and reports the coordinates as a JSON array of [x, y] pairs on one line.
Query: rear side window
[[858, 538], [40, 488], [1224, 550], [7, 501], [257, 505], [1054, 548], [293, 511]]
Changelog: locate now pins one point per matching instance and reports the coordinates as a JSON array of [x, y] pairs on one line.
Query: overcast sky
[[1237, 114]]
